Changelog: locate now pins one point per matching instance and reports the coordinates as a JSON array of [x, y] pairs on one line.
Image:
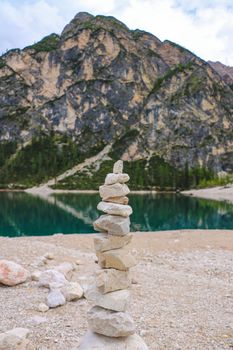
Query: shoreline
[[45, 189], [220, 193]]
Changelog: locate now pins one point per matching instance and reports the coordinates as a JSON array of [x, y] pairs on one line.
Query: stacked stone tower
[[111, 327]]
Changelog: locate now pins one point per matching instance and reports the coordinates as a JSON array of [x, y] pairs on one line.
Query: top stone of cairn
[[118, 167]]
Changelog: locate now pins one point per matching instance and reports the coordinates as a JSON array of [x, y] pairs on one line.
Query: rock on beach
[[96, 341], [115, 209], [15, 339], [12, 274], [112, 224], [110, 323]]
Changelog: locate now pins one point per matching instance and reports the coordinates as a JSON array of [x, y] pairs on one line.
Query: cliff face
[[99, 83], [226, 72]]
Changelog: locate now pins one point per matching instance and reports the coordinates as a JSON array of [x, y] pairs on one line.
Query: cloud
[[202, 26], [205, 30], [22, 24]]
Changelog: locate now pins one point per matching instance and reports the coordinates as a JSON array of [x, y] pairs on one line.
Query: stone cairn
[[110, 326]]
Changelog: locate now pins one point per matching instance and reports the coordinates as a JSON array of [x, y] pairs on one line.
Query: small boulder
[[115, 209], [48, 277], [12, 274], [119, 200], [116, 301], [96, 341], [55, 298], [104, 242], [110, 280], [115, 178], [118, 167], [110, 323], [72, 291], [119, 259], [15, 339], [112, 224], [115, 190]]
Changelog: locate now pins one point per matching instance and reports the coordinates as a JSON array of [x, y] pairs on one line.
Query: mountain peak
[[101, 84], [83, 16], [79, 18], [84, 20]]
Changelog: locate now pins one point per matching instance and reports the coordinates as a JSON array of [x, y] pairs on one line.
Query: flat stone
[[55, 298], [96, 341], [115, 190], [12, 274], [104, 242], [113, 225], [15, 339], [119, 200], [50, 277], [72, 291], [120, 259], [116, 301], [118, 167], [110, 323], [110, 280], [114, 178], [115, 209]]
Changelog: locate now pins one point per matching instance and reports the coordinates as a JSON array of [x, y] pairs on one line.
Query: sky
[[205, 27]]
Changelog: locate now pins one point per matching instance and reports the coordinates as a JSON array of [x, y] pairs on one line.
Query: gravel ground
[[182, 295]]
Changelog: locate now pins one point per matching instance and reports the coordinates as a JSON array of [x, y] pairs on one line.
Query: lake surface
[[22, 214]]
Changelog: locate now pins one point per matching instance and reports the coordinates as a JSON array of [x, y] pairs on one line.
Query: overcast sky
[[202, 26]]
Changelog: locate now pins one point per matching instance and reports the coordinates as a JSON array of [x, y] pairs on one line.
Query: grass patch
[[216, 181], [112, 21], [2, 63], [193, 85], [47, 44], [137, 33], [169, 74]]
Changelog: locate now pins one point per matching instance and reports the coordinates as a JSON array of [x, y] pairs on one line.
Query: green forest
[[154, 174], [44, 158], [48, 156]]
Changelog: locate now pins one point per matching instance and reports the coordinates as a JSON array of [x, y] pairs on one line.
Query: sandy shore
[[182, 292], [224, 193]]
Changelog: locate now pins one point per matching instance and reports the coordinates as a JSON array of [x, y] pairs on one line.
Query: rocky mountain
[[226, 72], [154, 104]]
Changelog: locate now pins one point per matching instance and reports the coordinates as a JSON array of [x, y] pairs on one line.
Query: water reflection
[[23, 214]]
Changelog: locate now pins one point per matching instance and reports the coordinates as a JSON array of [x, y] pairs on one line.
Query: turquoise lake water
[[22, 214]]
